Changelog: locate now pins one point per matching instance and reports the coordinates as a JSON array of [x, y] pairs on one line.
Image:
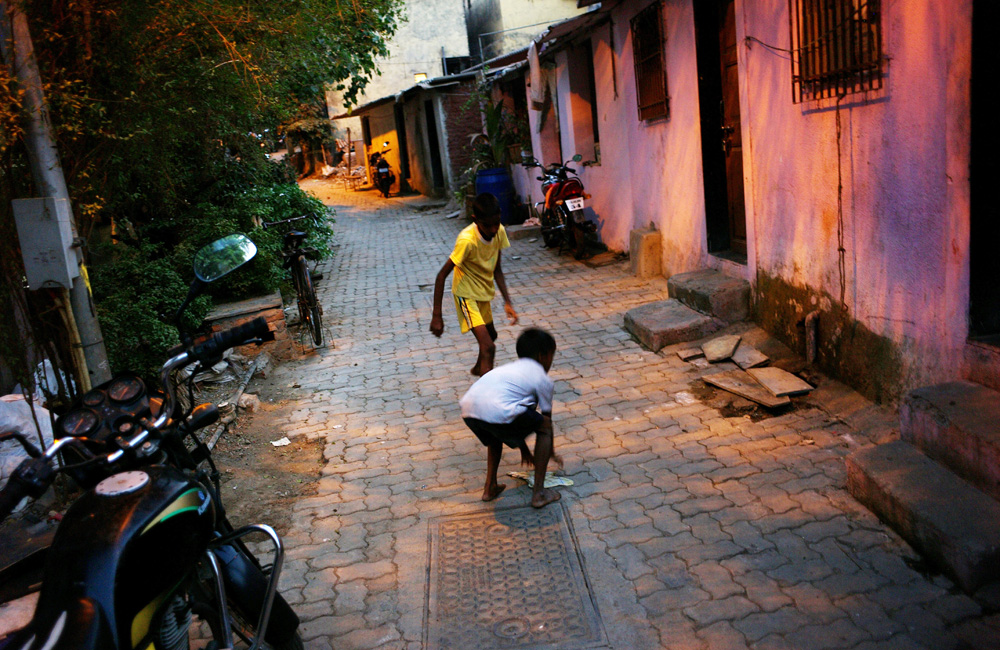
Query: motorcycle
[[148, 546], [382, 172], [561, 213]]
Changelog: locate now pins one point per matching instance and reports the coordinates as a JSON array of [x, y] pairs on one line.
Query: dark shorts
[[511, 434]]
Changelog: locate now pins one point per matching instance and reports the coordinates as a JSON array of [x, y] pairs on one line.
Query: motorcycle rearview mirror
[[577, 158], [215, 261]]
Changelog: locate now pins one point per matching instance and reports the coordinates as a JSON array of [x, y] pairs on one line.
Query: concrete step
[[712, 293], [954, 525], [658, 324], [958, 425]]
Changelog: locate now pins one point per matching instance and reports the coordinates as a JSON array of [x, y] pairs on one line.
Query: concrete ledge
[[663, 323], [522, 232], [956, 424], [713, 293], [644, 253], [954, 525]]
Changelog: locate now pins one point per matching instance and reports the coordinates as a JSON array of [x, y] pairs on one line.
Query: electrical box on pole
[[46, 236]]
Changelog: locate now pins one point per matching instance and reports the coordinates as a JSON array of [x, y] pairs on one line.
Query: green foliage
[[156, 106]]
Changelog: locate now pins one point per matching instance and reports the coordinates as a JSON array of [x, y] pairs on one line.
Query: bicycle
[[294, 254]]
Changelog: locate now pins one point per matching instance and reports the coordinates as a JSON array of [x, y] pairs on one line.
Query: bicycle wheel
[[310, 311]]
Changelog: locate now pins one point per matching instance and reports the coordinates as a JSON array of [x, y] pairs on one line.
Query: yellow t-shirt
[[475, 259]]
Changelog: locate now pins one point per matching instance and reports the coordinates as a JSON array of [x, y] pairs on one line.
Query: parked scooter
[[383, 178], [147, 546], [561, 214]]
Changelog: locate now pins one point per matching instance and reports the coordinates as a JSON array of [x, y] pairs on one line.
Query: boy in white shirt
[[507, 404]]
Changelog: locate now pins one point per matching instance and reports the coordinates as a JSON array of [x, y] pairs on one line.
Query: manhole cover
[[509, 579]]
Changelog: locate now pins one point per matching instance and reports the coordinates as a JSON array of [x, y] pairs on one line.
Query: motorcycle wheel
[[550, 236], [243, 630], [247, 631]]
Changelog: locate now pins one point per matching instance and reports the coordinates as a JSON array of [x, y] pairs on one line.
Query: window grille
[[836, 47], [650, 73]]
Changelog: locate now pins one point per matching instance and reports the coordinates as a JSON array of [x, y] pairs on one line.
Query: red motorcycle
[[561, 213]]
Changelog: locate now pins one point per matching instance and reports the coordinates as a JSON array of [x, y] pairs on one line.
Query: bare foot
[[544, 497], [489, 495]]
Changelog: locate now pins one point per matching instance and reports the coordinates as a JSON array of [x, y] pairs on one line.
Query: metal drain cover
[[509, 579]]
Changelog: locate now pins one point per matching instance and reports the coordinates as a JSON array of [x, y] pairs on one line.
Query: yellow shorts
[[473, 313]]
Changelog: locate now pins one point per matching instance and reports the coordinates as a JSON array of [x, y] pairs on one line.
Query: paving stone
[[756, 626], [842, 633], [728, 609]]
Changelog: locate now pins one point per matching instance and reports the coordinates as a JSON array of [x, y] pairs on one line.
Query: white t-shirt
[[506, 392]]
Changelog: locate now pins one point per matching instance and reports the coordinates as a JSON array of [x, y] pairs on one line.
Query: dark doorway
[[722, 140], [432, 143], [984, 271]]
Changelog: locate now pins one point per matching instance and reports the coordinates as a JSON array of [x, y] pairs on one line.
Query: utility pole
[[46, 171]]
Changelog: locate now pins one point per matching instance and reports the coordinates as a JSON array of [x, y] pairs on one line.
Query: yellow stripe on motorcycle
[[193, 499]]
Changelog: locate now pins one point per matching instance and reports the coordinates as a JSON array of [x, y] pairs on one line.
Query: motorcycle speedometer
[[125, 389], [79, 422]]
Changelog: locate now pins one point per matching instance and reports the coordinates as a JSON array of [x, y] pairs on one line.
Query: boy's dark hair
[[485, 205], [533, 343]]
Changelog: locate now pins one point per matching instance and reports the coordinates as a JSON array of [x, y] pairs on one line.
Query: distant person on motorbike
[[512, 402], [476, 263]]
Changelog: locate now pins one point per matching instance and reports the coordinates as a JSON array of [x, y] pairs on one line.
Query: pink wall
[[902, 157]]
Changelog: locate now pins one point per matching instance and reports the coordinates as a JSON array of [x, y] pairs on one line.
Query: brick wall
[[461, 124]]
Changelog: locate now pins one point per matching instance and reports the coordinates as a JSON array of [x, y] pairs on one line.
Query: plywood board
[[779, 382], [747, 356], [740, 383], [721, 348]]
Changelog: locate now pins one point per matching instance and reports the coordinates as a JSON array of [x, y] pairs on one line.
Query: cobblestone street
[[697, 531]]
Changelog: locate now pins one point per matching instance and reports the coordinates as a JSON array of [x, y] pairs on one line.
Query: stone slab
[[956, 424], [687, 354], [747, 356], [780, 382], [954, 525], [712, 292], [721, 348], [740, 383], [666, 322]]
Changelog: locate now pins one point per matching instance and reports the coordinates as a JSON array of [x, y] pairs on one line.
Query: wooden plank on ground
[[740, 383], [721, 348], [779, 382], [747, 356]]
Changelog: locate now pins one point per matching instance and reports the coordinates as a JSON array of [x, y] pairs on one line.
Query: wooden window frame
[[648, 49]]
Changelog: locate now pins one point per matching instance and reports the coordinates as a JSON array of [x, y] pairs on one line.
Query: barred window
[[650, 72], [836, 47]]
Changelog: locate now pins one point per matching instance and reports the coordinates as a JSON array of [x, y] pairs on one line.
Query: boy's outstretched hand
[[511, 314]]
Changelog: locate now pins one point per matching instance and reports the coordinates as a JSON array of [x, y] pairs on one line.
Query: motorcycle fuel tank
[[122, 547]]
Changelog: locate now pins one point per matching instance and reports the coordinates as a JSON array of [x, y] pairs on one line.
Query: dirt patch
[[261, 482]]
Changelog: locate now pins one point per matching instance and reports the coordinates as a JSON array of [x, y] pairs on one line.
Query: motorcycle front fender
[[246, 588]]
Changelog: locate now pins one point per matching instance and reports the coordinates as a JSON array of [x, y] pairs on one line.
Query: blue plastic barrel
[[497, 182]]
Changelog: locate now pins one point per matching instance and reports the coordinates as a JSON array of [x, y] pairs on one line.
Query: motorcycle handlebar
[[240, 335]]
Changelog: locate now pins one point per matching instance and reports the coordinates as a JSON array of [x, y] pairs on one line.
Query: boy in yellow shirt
[[476, 263]]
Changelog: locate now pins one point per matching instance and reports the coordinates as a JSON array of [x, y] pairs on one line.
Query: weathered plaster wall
[[650, 171], [415, 47], [889, 254]]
